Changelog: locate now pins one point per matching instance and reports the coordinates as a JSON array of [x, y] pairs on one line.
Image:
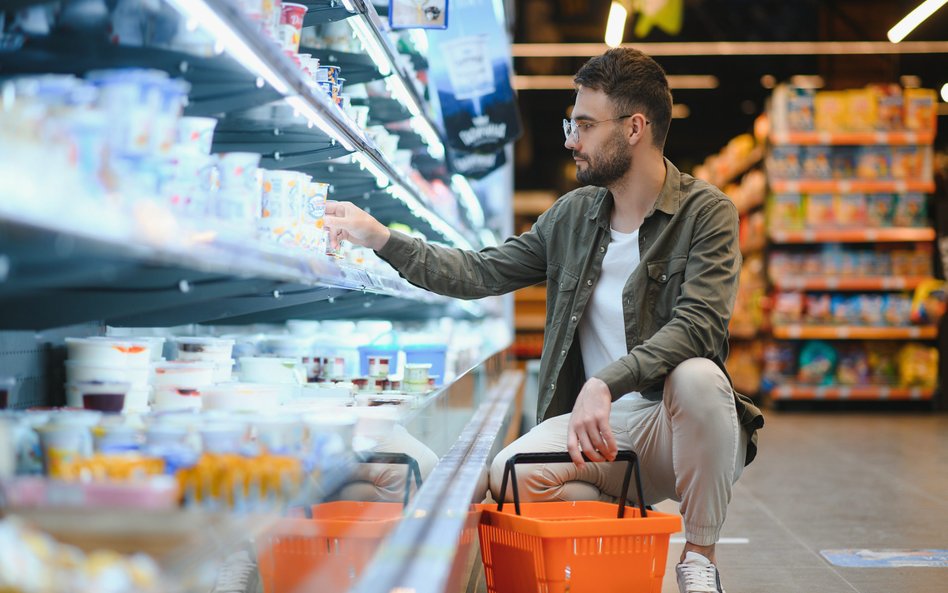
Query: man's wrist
[[382, 238]]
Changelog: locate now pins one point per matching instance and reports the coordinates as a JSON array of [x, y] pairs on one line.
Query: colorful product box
[[851, 210], [816, 162], [861, 110], [819, 211], [784, 162], [919, 109], [880, 209], [830, 111], [786, 211]]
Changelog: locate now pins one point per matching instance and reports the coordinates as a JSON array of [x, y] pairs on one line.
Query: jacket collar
[[669, 199]]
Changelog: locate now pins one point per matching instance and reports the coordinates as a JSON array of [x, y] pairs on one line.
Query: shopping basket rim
[[558, 519]]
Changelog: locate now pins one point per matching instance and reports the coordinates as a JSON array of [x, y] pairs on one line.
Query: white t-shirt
[[602, 328]]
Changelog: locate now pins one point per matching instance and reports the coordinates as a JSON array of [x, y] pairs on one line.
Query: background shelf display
[[855, 392], [826, 186], [836, 283], [880, 235], [890, 138], [853, 332]]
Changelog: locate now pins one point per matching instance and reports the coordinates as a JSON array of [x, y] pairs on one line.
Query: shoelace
[[698, 578]]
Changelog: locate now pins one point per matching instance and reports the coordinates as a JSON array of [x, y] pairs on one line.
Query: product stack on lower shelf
[[736, 170], [850, 240]]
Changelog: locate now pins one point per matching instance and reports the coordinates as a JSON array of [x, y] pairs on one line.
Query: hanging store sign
[[418, 14], [476, 165], [469, 65]]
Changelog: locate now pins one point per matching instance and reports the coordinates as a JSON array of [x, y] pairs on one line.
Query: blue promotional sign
[[469, 66], [856, 558], [476, 165]]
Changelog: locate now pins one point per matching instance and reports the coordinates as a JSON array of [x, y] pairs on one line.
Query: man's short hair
[[635, 83]]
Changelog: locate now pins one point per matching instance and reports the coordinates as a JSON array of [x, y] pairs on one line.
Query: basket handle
[[402, 458], [524, 458]]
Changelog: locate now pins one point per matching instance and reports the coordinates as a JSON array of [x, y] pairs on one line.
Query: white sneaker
[[696, 574]]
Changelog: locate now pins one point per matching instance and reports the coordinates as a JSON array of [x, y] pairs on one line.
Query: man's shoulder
[[697, 193]]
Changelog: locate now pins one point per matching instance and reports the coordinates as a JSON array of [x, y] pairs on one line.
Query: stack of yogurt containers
[[121, 364]]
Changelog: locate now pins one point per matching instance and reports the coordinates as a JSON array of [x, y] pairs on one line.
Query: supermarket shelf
[[852, 392], [842, 186], [854, 332], [530, 322], [849, 284], [750, 161], [128, 275], [531, 294], [897, 138], [752, 247], [743, 333], [324, 11], [857, 235]]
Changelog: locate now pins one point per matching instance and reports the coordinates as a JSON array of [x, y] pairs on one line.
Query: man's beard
[[615, 162]]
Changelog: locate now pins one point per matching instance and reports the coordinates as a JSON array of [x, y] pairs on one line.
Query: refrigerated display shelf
[[868, 283], [383, 110], [882, 138], [325, 11], [55, 276], [856, 235], [837, 186], [356, 68], [850, 392], [853, 332]]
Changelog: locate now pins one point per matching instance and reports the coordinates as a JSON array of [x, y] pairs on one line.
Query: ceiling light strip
[[913, 19], [728, 48]]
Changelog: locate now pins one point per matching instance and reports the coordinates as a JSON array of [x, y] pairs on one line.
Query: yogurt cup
[[78, 371], [184, 373], [250, 397], [196, 133], [217, 350], [261, 369], [109, 352]]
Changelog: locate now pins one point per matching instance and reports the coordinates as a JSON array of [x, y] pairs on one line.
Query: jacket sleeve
[[518, 262], [702, 311]]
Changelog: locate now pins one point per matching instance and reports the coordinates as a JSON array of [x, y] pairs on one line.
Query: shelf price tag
[[845, 186], [842, 333], [881, 138], [884, 392], [915, 332], [845, 392], [794, 331], [824, 138], [872, 235], [901, 186]]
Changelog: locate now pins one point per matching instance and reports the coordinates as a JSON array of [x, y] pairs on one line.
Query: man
[[641, 268]]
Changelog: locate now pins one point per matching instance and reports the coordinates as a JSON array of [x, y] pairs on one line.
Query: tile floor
[[835, 480]]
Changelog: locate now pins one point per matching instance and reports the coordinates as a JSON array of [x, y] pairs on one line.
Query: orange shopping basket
[[577, 547], [329, 551]]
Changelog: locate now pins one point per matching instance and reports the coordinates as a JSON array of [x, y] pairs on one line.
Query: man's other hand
[[589, 428], [345, 220]]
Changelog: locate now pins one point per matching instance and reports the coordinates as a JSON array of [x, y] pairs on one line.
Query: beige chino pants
[[690, 446]]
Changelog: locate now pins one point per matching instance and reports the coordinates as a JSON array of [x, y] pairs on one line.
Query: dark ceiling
[[720, 114]]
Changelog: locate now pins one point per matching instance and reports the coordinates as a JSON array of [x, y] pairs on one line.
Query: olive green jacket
[[676, 304]]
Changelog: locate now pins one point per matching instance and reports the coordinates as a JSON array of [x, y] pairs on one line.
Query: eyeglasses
[[571, 126]]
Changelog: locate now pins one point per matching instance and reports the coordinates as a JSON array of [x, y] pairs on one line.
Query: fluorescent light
[[371, 43], [733, 48], [306, 109], [487, 237], [944, 92], [467, 196], [615, 26], [381, 178], [440, 226], [430, 136], [233, 44], [396, 86], [556, 82], [914, 19], [348, 5]]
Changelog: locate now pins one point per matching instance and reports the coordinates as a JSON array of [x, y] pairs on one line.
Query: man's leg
[[558, 481]]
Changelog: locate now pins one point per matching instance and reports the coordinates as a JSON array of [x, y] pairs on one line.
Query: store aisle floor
[[836, 481]]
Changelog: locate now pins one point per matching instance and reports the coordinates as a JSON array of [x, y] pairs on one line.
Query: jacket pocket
[[560, 294], [665, 278]]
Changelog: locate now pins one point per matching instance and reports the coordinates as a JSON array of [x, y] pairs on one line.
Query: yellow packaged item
[[920, 109], [861, 110], [830, 107]]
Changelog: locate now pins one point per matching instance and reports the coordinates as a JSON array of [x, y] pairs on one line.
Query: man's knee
[[697, 385]]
